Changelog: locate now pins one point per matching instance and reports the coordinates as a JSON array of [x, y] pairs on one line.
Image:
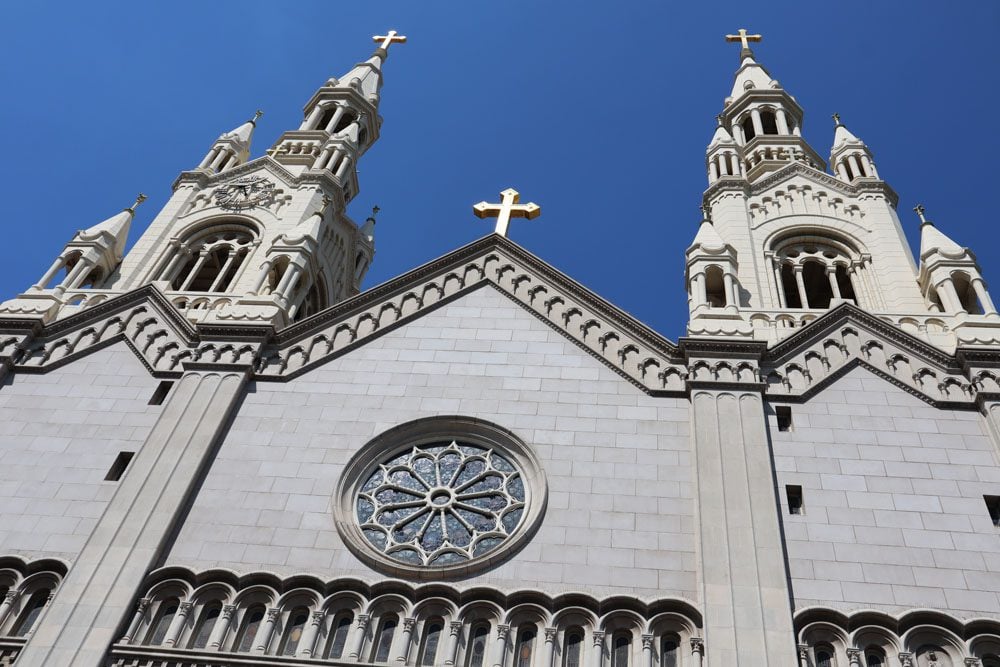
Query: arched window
[[748, 131], [338, 635], [991, 661], [296, 623], [165, 613], [206, 623], [212, 260], [768, 122], [715, 287], [32, 610], [249, 626], [525, 645], [824, 656], [312, 302], [383, 638], [475, 652], [814, 271], [967, 297], [429, 643], [844, 283], [573, 648], [669, 652], [819, 291], [874, 657], [621, 644]]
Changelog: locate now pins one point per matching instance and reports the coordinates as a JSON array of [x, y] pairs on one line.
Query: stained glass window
[[31, 612], [476, 651], [164, 617], [206, 623], [441, 503], [383, 638], [573, 648], [248, 629], [338, 635], [432, 636]]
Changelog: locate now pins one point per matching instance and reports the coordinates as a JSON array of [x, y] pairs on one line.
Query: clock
[[245, 192]]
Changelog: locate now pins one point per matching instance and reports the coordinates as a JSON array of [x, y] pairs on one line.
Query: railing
[[126, 655], [10, 647]]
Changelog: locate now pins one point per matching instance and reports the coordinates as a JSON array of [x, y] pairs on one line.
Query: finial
[[138, 200], [386, 40], [706, 213], [744, 39], [836, 118], [919, 208], [510, 206], [718, 119], [325, 205], [256, 116], [371, 218]]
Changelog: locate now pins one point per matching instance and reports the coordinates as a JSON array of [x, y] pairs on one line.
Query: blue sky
[[599, 112]]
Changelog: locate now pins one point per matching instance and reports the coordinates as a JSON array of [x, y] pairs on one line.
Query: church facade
[[217, 451]]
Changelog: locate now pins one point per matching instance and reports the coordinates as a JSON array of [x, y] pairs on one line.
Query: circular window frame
[[425, 431]]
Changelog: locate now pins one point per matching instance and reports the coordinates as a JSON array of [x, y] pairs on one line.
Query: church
[[218, 451]]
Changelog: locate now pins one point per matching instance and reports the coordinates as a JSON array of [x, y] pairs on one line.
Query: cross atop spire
[[507, 208], [919, 208], [256, 116], [138, 200], [743, 38], [388, 39], [836, 118]]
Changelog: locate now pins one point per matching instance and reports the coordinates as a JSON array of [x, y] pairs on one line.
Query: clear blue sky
[[598, 111]]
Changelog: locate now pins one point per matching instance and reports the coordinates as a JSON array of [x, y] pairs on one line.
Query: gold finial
[[138, 200], [509, 207], [743, 38], [386, 40], [256, 116], [919, 208], [836, 118]]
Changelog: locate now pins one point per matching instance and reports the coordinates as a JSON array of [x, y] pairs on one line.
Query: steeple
[[232, 148], [850, 158], [949, 277]]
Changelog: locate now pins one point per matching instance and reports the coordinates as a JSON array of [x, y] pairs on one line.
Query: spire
[[244, 133], [721, 136], [707, 238], [115, 229], [750, 74], [932, 239], [841, 134], [231, 148], [849, 156]]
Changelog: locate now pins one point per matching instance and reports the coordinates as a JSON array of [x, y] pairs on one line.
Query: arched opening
[[670, 651], [277, 271], [338, 635], [573, 648], [205, 624], [819, 292], [524, 646], [93, 278], [768, 122], [929, 655], [874, 657], [383, 638], [748, 131], [211, 259], [161, 622], [824, 655], [429, 642], [326, 117], [312, 302], [844, 284], [991, 661], [847, 169], [32, 610], [715, 287], [621, 645], [967, 298], [344, 122], [475, 653], [61, 270], [249, 626], [934, 300], [790, 287], [292, 635]]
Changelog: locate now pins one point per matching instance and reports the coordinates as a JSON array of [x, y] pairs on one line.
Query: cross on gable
[[743, 38], [509, 207], [388, 39]]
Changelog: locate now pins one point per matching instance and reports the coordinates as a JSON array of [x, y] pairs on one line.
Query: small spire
[[919, 208], [138, 200], [256, 116], [836, 119]]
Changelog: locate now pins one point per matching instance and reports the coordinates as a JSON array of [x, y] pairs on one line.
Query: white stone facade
[[786, 485]]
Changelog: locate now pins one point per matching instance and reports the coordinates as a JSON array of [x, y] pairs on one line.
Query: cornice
[[205, 180]]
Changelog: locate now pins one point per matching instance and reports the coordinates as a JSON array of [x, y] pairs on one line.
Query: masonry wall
[[893, 494], [59, 434], [618, 462]]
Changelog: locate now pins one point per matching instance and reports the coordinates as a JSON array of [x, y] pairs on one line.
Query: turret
[[949, 277], [723, 155], [850, 158], [232, 148]]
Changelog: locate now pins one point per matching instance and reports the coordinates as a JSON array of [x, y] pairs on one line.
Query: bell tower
[[263, 240], [786, 240]]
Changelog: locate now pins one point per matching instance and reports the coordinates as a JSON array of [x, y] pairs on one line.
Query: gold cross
[[389, 38], [509, 207], [743, 38]]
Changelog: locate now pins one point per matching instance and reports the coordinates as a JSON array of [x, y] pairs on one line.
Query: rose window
[[441, 504]]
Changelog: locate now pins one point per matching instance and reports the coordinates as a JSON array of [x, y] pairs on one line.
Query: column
[[860, 288], [131, 535], [779, 285], [949, 297], [647, 650], [200, 262], [842, 172], [831, 274], [337, 115], [803, 655], [344, 165], [78, 272], [598, 639], [177, 624], [360, 630], [723, 164], [550, 646], [854, 657], [455, 630], [758, 127], [263, 638], [781, 120], [800, 283], [180, 254], [310, 634], [220, 155], [133, 626], [403, 649], [221, 627], [50, 274], [730, 285], [984, 297], [500, 645], [321, 161], [856, 165], [869, 167], [713, 173], [698, 290], [697, 650], [312, 120], [216, 284], [744, 581], [737, 132]]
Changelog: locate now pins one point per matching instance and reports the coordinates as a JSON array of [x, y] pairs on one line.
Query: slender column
[[344, 165], [876, 295], [713, 171], [647, 650], [984, 296], [730, 284], [230, 257], [949, 297], [287, 283], [404, 643], [856, 165], [258, 283], [740, 170], [359, 637], [781, 120], [723, 164], [842, 172], [867, 163], [83, 265], [550, 646], [134, 531], [803, 655], [202, 258], [321, 161], [263, 638], [221, 627], [50, 274], [831, 274], [854, 657], [309, 635], [500, 645], [337, 115], [758, 127], [177, 624], [797, 269], [598, 640], [180, 254], [312, 120], [871, 165], [860, 286], [737, 132], [207, 160], [700, 295], [779, 285], [698, 650], [220, 155], [133, 626], [455, 628]]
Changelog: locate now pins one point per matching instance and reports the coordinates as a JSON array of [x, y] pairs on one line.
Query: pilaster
[[97, 598]]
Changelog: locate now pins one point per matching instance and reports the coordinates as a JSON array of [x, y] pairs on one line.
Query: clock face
[[245, 192]]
